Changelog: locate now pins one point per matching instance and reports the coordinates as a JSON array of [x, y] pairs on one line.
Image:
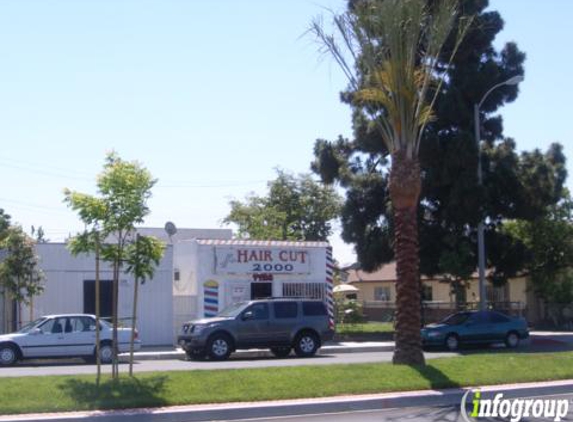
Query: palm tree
[[389, 51]]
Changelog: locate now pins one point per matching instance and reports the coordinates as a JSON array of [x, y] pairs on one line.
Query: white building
[[214, 273], [201, 272], [69, 287]]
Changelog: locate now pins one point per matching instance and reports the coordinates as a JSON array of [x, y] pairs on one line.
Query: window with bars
[[306, 290]]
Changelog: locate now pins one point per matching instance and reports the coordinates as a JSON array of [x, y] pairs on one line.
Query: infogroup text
[[512, 409]]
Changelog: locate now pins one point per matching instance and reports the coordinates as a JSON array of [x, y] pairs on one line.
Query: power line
[[78, 175]]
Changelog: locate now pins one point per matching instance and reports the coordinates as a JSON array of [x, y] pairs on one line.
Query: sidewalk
[[160, 353]]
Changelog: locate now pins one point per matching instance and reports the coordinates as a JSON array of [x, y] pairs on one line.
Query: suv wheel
[[219, 347], [306, 345], [8, 355], [280, 352]]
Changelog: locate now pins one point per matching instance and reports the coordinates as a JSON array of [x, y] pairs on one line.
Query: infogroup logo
[[512, 409]]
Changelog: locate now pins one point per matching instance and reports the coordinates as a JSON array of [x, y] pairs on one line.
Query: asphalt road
[[449, 413], [77, 366]]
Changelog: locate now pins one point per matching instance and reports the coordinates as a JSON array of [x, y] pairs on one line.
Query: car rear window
[[313, 309], [285, 309]]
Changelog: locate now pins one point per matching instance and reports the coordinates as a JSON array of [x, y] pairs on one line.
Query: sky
[[211, 97]]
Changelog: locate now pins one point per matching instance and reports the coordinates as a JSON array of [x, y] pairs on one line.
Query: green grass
[[367, 327], [66, 393]]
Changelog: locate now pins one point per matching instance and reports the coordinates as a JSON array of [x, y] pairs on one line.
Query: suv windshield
[[233, 310]]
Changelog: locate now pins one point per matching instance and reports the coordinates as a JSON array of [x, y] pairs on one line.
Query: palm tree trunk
[[405, 187]]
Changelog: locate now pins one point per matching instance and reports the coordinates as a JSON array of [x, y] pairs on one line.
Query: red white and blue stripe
[[330, 285], [210, 301]]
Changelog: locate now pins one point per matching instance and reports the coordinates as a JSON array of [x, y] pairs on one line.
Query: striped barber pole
[[329, 286], [210, 298]]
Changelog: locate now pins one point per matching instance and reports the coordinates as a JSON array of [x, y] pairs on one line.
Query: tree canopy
[[547, 248], [295, 208], [20, 276], [124, 188], [516, 185]]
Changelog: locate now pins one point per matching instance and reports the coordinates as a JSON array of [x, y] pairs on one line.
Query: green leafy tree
[[548, 251], [123, 188], [4, 224], [295, 208], [20, 277], [390, 51], [516, 186]]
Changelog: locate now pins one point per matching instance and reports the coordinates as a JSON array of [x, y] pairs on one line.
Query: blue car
[[475, 327]]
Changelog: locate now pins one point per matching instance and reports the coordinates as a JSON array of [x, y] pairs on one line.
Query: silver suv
[[278, 324]]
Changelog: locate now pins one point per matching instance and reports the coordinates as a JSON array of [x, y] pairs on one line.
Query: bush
[[349, 312]]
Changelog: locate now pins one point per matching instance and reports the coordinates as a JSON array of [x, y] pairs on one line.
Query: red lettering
[[241, 255], [268, 256], [282, 256]]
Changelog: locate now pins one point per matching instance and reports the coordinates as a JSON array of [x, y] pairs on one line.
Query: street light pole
[[480, 228]]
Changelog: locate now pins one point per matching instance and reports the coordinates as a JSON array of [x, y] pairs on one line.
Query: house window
[[382, 294], [427, 294], [497, 293]]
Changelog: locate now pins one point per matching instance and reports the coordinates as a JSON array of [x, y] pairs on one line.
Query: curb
[[297, 407], [254, 353]]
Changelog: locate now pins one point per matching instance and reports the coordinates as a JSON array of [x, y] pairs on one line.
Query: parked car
[[475, 327], [56, 336], [278, 324]]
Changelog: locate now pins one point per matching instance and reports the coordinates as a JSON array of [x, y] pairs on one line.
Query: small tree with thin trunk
[[124, 188], [389, 50], [20, 277]]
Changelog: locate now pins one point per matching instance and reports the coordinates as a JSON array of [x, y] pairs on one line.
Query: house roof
[[386, 272]]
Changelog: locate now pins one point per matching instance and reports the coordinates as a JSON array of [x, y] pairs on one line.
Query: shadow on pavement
[[122, 394]]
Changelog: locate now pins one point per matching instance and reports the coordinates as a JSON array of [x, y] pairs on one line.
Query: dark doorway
[[261, 290], [105, 299]]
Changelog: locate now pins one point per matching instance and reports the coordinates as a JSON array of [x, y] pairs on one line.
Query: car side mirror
[[248, 315], [36, 331]]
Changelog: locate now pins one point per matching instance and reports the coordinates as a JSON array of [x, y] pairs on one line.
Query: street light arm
[[511, 81], [489, 92]]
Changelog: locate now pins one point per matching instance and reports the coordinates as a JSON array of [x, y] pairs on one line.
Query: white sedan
[[55, 336]]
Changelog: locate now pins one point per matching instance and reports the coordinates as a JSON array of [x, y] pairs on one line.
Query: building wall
[[64, 291], [518, 290], [441, 291]]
